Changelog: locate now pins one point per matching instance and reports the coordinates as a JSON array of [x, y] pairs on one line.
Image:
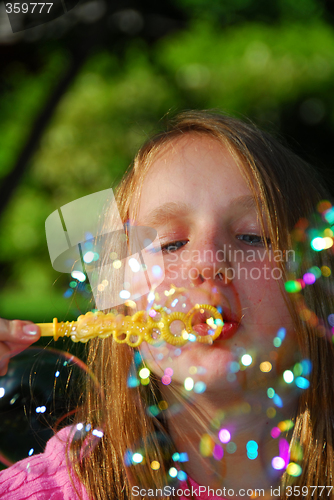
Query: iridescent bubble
[[172, 472], [38, 397], [88, 257], [284, 451], [294, 469], [270, 392], [189, 384], [277, 342], [181, 475], [326, 271], [281, 333], [166, 379], [163, 405], [144, 373], [183, 457], [199, 387], [234, 367], [302, 382], [278, 463], [318, 244], [231, 447], [275, 432], [224, 435], [292, 286], [252, 446], [265, 367], [137, 458], [206, 445], [285, 425], [271, 412], [246, 360], [309, 278], [252, 449], [157, 271], [278, 401], [134, 264], [218, 452], [288, 376], [124, 294], [78, 275]]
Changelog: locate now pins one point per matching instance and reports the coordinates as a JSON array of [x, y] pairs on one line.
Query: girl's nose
[[223, 275], [211, 265]]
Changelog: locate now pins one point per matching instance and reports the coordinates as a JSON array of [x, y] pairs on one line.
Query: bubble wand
[[133, 330]]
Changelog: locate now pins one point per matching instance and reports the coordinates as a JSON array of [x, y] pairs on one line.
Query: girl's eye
[[173, 247], [254, 239]]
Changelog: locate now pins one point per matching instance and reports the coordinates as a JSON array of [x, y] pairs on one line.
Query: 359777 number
[[16, 8], [297, 491]]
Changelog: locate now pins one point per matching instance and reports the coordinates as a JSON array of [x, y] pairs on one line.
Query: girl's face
[[203, 210]]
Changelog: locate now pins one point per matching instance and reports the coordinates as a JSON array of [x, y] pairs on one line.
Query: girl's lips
[[229, 329]]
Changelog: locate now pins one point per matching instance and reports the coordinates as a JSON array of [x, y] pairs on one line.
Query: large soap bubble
[[38, 397]]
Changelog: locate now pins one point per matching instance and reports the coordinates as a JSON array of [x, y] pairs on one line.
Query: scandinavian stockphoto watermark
[[27, 14], [228, 264]]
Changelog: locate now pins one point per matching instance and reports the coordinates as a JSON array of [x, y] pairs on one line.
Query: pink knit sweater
[[45, 477], [41, 477]]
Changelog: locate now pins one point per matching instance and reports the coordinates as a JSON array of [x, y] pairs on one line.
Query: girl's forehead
[[194, 157], [194, 169]]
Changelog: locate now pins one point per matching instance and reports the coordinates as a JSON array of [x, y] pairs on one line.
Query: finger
[[7, 351], [18, 331]]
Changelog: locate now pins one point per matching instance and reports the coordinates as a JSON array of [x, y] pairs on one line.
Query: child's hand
[[15, 336]]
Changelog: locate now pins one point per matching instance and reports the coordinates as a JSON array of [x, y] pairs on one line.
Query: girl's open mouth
[[201, 325]]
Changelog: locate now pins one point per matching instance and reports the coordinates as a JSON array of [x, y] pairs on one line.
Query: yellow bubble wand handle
[[133, 330]]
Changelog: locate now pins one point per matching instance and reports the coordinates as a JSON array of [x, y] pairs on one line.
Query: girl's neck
[[194, 430]]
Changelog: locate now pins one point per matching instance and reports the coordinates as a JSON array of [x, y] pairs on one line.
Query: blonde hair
[[287, 189]]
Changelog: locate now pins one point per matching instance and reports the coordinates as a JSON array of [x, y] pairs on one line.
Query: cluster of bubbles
[[138, 457], [311, 238], [219, 441], [78, 279]]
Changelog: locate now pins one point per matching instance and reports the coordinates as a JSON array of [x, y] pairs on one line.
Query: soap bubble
[[39, 396], [311, 265]]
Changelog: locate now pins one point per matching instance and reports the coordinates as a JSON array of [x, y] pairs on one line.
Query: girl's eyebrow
[[164, 213], [243, 205], [175, 210]]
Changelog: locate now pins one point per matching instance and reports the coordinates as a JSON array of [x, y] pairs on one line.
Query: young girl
[[224, 198]]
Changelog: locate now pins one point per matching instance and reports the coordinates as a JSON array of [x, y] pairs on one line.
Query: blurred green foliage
[[270, 61]]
